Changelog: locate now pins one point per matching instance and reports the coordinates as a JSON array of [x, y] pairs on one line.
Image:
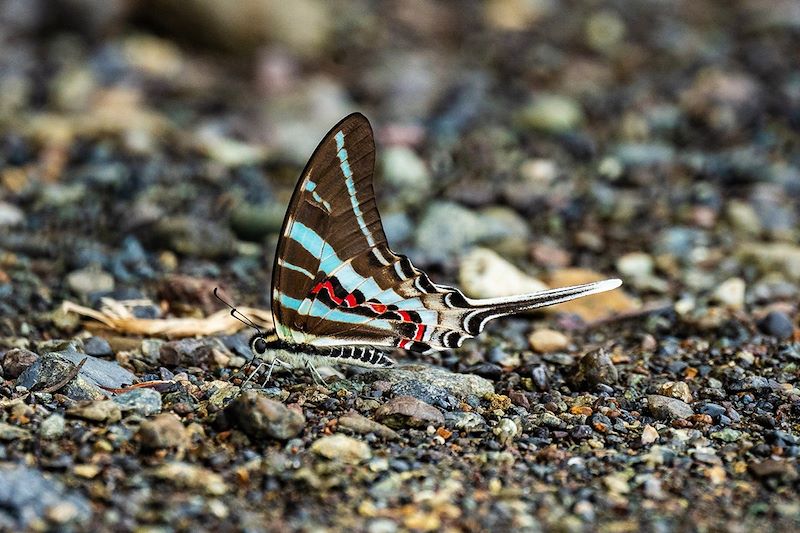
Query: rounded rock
[[260, 417], [342, 448], [548, 340], [407, 411], [90, 280], [16, 361], [163, 432], [666, 408], [777, 324], [596, 368]]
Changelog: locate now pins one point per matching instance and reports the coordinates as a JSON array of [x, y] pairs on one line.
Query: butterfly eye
[[260, 345]]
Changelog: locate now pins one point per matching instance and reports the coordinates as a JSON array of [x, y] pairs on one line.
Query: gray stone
[[665, 408], [447, 229], [98, 347], [27, 498], [641, 154], [407, 411], [426, 392], [406, 173], [254, 222], [461, 386], [10, 215], [90, 280], [262, 418], [99, 371], [143, 401], [52, 427], [188, 352], [52, 368], [777, 324], [465, 421], [363, 425]]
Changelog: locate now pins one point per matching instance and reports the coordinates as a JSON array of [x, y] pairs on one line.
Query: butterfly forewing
[[336, 282]]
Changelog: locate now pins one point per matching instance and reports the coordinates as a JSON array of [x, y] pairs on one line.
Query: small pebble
[[777, 324], [163, 432], [361, 424], [676, 389], [143, 401], [407, 411], [730, 293], [263, 418], [16, 361], [98, 347], [52, 427], [548, 340], [90, 280], [595, 368], [649, 434], [342, 448], [666, 408], [98, 411]]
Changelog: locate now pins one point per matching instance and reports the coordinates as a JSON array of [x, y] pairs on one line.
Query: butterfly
[[341, 295]]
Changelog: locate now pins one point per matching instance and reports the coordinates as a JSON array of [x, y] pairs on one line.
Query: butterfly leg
[[254, 372], [271, 367], [314, 373]]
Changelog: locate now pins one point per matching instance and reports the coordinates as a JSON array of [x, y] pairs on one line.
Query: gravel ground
[[148, 151]]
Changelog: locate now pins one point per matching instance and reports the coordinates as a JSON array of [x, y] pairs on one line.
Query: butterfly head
[[261, 343]]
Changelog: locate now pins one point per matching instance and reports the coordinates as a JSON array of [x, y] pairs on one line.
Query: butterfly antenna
[[235, 313]]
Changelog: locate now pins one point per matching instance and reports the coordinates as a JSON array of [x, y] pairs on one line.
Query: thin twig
[[69, 377], [142, 385]]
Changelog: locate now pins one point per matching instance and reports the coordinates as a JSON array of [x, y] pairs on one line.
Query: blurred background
[[148, 150], [653, 140]]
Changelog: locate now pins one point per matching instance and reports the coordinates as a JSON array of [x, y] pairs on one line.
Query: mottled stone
[[363, 425], [406, 411], [143, 401], [52, 427], [341, 448], [16, 361], [676, 389], [97, 411], [461, 386], [666, 408], [262, 418], [595, 368], [164, 431]]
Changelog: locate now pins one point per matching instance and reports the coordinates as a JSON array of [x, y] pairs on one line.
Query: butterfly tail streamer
[[462, 317]]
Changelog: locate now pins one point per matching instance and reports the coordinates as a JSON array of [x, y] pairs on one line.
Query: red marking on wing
[[404, 316], [420, 331], [403, 343], [350, 300], [378, 308]]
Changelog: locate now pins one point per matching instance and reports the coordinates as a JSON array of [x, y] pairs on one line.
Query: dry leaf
[[117, 316]]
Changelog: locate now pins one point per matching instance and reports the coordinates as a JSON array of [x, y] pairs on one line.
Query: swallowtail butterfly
[[341, 295]]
